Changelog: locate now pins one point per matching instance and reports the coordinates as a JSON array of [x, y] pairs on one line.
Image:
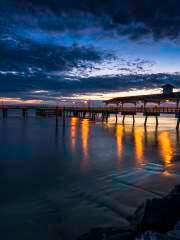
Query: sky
[[54, 51]]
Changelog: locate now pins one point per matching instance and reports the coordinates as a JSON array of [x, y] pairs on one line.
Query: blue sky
[[63, 50]]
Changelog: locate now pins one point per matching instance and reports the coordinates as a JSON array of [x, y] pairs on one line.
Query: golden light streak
[[74, 122], [119, 138], [85, 143], [139, 144], [166, 147]]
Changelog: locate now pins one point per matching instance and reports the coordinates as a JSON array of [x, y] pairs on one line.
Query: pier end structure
[[167, 95]]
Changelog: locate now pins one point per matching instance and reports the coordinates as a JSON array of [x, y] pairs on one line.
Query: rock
[[171, 235], [152, 236], [95, 233], [126, 235], [175, 191], [150, 221], [158, 214], [109, 233], [175, 233]]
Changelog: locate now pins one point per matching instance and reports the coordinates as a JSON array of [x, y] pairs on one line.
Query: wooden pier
[[167, 95], [94, 113]]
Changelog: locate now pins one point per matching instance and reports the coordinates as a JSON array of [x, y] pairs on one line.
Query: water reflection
[[119, 140], [139, 143], [166, 147], [112, 167], [143, 140], [74, 123], [85, 144]]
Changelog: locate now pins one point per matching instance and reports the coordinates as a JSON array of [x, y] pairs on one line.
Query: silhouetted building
[[166, 95], [168, 89]]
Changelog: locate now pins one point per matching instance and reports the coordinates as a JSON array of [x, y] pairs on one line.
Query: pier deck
[[93, 112]]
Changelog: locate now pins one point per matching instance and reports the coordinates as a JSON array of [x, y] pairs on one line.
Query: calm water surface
[[81, 174]]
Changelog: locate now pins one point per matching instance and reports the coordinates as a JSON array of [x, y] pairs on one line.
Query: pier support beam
[[63, 116], [148, 114], [102, 116], [133, 119], [123, 119], [157, 121], [106, 117], [130, 113], [5, 113], [178, 120], [177, 103], [24, 112], [116, 117], [178, 123], [145, 122]]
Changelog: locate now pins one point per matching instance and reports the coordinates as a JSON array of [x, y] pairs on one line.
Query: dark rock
[[95, 233], [175, 191], [171, 235], [154, 236], [109, 233], [155, 216], [124, 235], [158, 214]]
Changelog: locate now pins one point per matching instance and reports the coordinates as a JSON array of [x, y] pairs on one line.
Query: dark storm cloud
[[26, 87], [33, 57], [29, 66], [134, 18], [125, 82], [42, 57]]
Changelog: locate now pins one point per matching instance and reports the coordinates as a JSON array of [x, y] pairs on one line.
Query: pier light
[[85, 102]]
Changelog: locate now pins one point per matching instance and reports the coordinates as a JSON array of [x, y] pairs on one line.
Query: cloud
[[48, 47], [49, 89], [133, 18], [30, 68], [29, 57]]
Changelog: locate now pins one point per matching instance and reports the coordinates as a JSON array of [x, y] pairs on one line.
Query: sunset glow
[[19, 101]]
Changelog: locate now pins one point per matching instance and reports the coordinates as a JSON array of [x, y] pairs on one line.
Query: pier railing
[[94, 112], [125, 109], [73, 108], [95, 109]]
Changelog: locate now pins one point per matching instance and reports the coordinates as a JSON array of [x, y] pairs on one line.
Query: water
[[82, 174]]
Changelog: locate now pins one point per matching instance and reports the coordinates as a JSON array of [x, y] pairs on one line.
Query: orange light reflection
[[139, 144], [74, 122], [119, 143], [85, 143], [166, 147]]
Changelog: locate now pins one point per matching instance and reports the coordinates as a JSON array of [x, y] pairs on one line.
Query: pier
[[115, 106], [94, 113]]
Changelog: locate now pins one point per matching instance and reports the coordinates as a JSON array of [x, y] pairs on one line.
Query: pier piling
[[5, 113], [24, 112], [178, 120], [93, 113]]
